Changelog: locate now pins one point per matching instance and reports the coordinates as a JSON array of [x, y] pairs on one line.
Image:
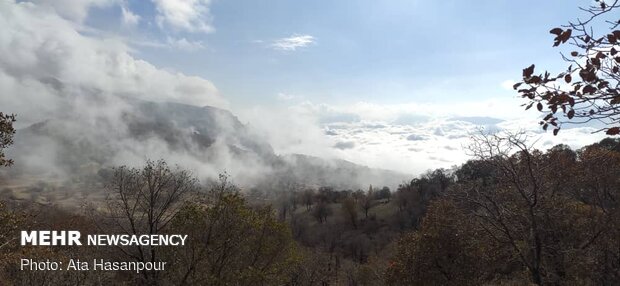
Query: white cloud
[[41, 52], [344, 145], [414, 137], [288, 130], [293, 42], [185, 44], [129, 18], [185, 15], [171, 43], [375, 135]]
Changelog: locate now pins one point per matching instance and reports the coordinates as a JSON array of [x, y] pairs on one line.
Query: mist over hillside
[[206, 140]]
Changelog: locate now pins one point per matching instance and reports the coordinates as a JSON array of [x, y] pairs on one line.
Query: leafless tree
[[366, 201], [6, 136], [144, 201], [524, 209], [349, 210]]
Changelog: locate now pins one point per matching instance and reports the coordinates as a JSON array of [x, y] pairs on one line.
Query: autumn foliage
[[588, 90]]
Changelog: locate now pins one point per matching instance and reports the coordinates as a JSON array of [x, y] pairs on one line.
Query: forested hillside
[[512, 216]]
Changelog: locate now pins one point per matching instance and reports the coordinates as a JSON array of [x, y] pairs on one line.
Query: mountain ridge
[[207, 140]]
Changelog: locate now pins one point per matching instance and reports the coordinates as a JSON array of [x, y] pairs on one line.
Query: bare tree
[[144, 201], [521, 187], [349, 210], [231, 242], [525, 209], [321, 211], [308, 198], [7, 219], [366, 201], [6, 136], [284, 205]]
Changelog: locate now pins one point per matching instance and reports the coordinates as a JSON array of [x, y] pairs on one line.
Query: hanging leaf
[[589, 89], [556, 31], [613, 131], [565, 36], [527, 72]]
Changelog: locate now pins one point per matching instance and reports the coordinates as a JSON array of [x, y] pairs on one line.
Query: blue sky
[[378, 51]]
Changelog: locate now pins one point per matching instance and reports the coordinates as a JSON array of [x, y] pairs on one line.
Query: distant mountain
[[167, 121], [144, 130], [339, 173], [206, 140]]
